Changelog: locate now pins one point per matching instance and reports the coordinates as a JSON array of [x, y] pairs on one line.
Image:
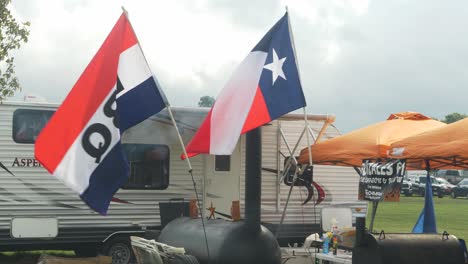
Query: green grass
[[29, 257], [39, 252], [400, 217]]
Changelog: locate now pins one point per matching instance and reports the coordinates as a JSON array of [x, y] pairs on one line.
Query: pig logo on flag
[[81, 143]]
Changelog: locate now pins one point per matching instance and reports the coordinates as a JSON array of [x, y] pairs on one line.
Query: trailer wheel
[[181, 259], [119, 249]]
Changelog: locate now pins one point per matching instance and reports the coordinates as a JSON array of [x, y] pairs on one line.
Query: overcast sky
[[359, 59]]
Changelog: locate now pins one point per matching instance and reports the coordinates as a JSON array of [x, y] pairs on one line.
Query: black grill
[[405, 248]]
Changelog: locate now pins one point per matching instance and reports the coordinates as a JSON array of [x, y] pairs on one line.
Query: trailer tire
[[120, 249], [181, 259]]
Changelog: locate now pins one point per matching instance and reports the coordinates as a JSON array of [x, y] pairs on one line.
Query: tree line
[[208, 101], [453, 117]]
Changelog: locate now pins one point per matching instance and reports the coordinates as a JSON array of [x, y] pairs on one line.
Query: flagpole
[[169, 110], [309, 149], [291, 36], [125, 12], [166, 102]]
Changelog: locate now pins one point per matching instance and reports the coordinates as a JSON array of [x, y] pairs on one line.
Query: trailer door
[[222, 182]]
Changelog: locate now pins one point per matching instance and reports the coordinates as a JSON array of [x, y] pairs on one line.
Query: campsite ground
[[29, 257], [32, 257], [451, 215]]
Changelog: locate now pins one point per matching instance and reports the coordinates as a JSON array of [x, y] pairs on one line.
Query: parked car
[[419, 186], [446, 185], [407, 188], [461, 189], [453, 176]]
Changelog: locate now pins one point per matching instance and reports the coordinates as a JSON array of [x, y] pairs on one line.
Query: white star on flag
[[276, 67]]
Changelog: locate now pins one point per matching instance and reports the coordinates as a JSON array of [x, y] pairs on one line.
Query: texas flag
[[81, 143], [265, 86]]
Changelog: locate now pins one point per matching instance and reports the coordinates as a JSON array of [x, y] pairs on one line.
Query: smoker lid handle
[[445, 235]]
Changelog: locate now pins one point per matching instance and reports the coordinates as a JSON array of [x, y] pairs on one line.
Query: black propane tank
[[405, 248], [241, 242], [229, 242]]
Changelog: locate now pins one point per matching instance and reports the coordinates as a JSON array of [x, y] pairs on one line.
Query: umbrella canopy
[[370, 142], [444, 147]]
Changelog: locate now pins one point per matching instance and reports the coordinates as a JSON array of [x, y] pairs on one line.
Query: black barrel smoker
[[247, 241], [405, 248]]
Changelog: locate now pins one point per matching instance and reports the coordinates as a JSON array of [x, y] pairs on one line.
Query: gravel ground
[[23, 258], [19, 259]]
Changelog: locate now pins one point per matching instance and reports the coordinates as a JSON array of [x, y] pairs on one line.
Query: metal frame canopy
[[442, 148], [371, 142]]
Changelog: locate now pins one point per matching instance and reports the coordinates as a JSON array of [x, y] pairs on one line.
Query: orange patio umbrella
[[371, 142], [445, 147]]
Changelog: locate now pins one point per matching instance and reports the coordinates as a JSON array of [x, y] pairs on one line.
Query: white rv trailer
[[38, 212]]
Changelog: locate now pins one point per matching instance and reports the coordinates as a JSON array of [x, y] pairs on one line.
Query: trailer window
[[222, 163], [149, 166], [28, 123]]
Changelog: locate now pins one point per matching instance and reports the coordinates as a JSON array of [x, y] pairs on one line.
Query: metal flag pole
[[309, 148], [169, 110], [375, 204], [291, 38]]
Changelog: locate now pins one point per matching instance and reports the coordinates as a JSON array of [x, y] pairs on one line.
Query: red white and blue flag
[[265, 86], [81, 143]]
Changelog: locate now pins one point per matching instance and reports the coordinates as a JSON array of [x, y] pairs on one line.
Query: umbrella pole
[[375, 204]]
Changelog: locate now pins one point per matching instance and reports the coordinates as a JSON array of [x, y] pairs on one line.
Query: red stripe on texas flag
[[258, 113], [200, 143]]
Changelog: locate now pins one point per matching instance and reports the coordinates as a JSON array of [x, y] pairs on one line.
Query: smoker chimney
[[245, 242], [360, 231], [253, 179]]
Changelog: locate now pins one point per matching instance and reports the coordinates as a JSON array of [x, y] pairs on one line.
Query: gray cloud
[[251, 14], [395, 56], [408, 57], [400, 56]]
